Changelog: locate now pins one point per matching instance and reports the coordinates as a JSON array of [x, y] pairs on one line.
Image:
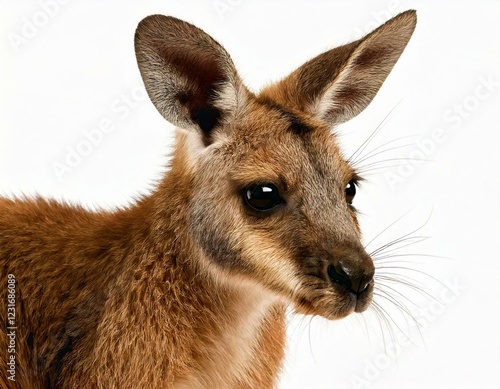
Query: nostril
[[337, 274], [363, 283], [363, 287], [366, 280]]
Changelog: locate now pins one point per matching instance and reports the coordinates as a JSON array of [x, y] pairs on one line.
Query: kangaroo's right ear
[[189, 77]]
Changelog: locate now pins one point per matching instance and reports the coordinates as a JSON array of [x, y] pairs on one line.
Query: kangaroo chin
[[187, 287]]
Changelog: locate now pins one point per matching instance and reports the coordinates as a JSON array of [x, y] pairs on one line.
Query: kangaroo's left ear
[[338, 84]]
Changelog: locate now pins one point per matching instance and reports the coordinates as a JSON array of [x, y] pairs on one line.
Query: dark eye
[[350, 191], [262, 197]]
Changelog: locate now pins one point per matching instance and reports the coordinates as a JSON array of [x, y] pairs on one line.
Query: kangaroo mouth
[[333, 301]]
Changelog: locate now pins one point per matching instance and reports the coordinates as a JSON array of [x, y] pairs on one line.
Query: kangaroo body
[[100, 303], [187, 287]]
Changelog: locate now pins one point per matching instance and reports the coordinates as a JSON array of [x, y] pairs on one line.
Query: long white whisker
[[373, 153], [363, 146], [385, 229]]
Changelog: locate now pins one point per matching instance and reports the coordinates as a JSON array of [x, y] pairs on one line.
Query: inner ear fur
[[337, 85], [189, 77]]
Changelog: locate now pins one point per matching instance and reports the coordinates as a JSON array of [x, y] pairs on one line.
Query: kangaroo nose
[[354, 276]]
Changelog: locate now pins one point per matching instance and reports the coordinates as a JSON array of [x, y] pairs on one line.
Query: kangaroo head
[[270, 194]]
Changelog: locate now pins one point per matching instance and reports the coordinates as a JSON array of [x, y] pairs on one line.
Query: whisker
[[405, 159], [403, 280], [390, 318], [406, 240], [363, 146], [399, 279], [397, 305], [382, 145], [410, 241], [416, 271], [382, 259], [365, 172], [394, 290], [395, 271], [403, 236], [403, 309], [373, 152], [381, 315], [385, 229]]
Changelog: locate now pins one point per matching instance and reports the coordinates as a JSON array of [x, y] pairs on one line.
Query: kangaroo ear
[[338, 84], [189, 77]]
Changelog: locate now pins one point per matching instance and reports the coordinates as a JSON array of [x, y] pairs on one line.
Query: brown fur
[[187, 287]]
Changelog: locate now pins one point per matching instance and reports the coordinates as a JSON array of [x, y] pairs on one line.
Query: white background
[[66, 68]]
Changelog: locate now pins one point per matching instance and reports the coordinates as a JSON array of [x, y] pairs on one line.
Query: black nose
[[354, 281]]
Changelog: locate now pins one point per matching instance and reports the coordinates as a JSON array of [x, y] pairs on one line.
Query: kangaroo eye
[[350, 191], [262, 197]]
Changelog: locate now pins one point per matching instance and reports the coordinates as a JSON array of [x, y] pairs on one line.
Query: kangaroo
[[187, 287]]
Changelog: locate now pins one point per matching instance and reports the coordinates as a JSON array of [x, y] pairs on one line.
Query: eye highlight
[[262, 197], [350, 191]]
